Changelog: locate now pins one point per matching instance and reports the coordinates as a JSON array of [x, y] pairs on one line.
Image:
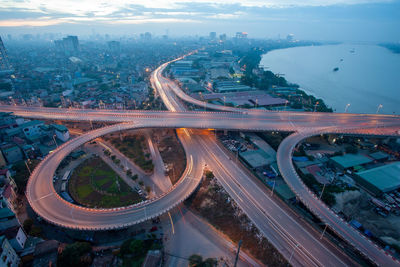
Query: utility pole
[[27, 166], [323, 188], [237, 253], [273, 188], [323, 232]]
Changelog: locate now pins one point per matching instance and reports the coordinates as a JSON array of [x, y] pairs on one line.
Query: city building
[[381, 179], [71, 43], [241, 35], [153, 258], [7, 216], [114, 46], [16, 236], [290, 37], [46, 253], [349, 161], [222, 37], [61, 132], [230, 86], [4, 62], [12, 153], [8, 256], [32, 128], [213, 35]]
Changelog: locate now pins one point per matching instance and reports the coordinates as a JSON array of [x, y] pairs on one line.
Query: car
[[153, 229]]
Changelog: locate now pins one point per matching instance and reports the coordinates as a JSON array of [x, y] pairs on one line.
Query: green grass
[[94, 176], [84, 190], [101, 182]]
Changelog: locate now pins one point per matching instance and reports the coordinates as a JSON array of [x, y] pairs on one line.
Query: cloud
[[258, 17]]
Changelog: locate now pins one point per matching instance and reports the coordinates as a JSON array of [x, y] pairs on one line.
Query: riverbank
[[366, 76], [276, 85]]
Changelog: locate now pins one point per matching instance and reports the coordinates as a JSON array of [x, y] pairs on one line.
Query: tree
[[129, 172], [22, 174], [28, 223], [195, 260], [351, 149], [136, 247], [74, 255], [209, 174], [135, 177]]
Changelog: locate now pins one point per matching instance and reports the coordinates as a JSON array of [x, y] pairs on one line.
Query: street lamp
[[27, 166], [347, 106], [379, 107], [224, 100], [55, 140], [315, 107], [291, 255]]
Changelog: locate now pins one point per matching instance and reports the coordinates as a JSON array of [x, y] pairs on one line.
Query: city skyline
[[373, 21]]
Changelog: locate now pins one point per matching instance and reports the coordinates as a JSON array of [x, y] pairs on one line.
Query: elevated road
[[275, 223], [341, 124]]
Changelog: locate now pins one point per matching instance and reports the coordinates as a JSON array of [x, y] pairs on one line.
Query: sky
[[332, 20]]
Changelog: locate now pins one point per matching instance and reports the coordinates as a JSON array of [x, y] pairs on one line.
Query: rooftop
[[351, 160], [31, 123], [256, 158], [60, 127], [379, 155], [386, 178]]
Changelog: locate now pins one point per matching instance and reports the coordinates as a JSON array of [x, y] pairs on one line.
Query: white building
[[8, 256], [61, 132]]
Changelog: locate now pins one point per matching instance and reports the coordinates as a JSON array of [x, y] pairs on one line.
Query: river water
[[368, 75]]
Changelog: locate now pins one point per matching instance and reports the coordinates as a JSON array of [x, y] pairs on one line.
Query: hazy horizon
[[331, 20]]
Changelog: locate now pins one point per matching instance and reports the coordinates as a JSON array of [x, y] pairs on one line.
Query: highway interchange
[[294, 239]]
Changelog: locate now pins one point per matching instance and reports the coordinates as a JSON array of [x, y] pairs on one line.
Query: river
[[368, 75]]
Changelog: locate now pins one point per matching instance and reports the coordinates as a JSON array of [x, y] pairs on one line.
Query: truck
[[66, 176], [378, 203], [63, 186]]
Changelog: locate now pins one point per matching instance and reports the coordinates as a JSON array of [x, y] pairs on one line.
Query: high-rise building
[[145, 36], [4, 62], [114, 46], [213, 35], [222, 37], [290, 37], [241, 35], [71, 43]]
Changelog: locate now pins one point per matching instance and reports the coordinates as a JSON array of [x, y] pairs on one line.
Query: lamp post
[[323, 189], [315, 106], [27, 166], [379, 107], [323, 232], [273, 188], [54, 138], [291, 255], [346, 108]]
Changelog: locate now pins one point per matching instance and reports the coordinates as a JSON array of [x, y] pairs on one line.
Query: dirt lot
[[356, 206], [213, 203], [172, 154], [95, 184]]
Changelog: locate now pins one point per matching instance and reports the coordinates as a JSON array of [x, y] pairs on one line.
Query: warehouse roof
[[379, 155], [386, 178], [256, 158], [351, 160]]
